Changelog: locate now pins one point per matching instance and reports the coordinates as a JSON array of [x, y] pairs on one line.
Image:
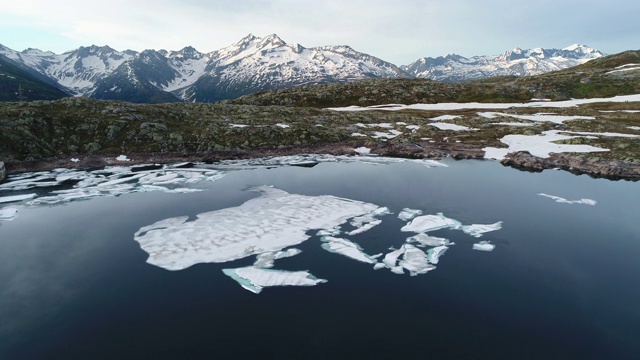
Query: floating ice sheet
[[484, 246], [433, 254], [15, 198], [407, 214], [266, 260], [426, 223], [562, 200], [271, 222], [416, 261], [8, 214], [347, 248], [255, 279], [477, 230], [427, 240]]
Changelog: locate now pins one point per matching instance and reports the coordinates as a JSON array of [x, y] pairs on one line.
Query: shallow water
[[560, 283]]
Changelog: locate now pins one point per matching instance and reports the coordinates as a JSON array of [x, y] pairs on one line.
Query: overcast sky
[[399, 31]]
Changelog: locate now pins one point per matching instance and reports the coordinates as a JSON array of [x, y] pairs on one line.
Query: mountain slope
[[516, 62], [13, 78], [255, 64]]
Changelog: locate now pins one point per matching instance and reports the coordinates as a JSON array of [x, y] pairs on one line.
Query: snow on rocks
[[123, 158], [538, 145], [452, 127]]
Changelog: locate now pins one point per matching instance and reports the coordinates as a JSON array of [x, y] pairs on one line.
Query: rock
[[3, 171]]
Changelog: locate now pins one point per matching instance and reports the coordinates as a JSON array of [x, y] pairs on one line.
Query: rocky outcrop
[[579, 164], [3, 171]]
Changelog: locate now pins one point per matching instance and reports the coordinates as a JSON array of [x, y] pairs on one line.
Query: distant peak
[[575, 47], [247, 39]]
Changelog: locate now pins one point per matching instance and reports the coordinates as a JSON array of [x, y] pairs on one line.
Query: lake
[[559, 282]]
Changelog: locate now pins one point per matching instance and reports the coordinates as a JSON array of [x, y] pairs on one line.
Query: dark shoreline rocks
[[3, 171], [575, 163]]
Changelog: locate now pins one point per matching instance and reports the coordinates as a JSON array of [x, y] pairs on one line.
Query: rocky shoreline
[[575, 163]]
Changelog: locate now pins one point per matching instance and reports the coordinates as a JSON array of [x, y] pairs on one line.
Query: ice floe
[[8, 214], [407, 214], [15, 198], [484, 246], [416, 261], [426, 223], [562, 200], [433, 254], [347, 248], [423, 239], [255, 279], [271, 222], [266, 260], [110, 181], [477, 230]]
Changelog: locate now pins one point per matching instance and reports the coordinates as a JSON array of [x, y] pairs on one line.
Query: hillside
[[13, 77]]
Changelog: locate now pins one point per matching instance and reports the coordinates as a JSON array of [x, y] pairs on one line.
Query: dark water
[[562, 282]]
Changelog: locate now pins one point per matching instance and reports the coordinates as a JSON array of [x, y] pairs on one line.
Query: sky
[[399, 31]]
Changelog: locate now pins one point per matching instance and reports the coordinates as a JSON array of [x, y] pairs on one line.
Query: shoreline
[[574, 163]]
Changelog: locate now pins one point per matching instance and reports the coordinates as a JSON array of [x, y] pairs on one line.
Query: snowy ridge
[[516, 62], [262, 63]]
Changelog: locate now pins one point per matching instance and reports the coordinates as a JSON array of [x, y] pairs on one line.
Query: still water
[[562, 281]]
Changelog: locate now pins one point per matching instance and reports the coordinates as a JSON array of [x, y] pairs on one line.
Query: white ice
[[433, 254], [347, 248], [255, 279], [477, 230], [123, 158], [483, 246], [426, 223], [15, 198], [427, 240], [562, 200], [634, 128], [8, 214], [266, 260], [271, 222], [416, 261], [407, 214]]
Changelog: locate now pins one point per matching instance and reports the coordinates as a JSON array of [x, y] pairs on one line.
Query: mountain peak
[[246, 39]]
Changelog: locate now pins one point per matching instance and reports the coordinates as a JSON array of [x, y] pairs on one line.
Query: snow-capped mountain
[[254, 64], [517, 62]]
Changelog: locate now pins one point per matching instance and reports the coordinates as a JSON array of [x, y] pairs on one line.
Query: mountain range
[[253, 64]]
